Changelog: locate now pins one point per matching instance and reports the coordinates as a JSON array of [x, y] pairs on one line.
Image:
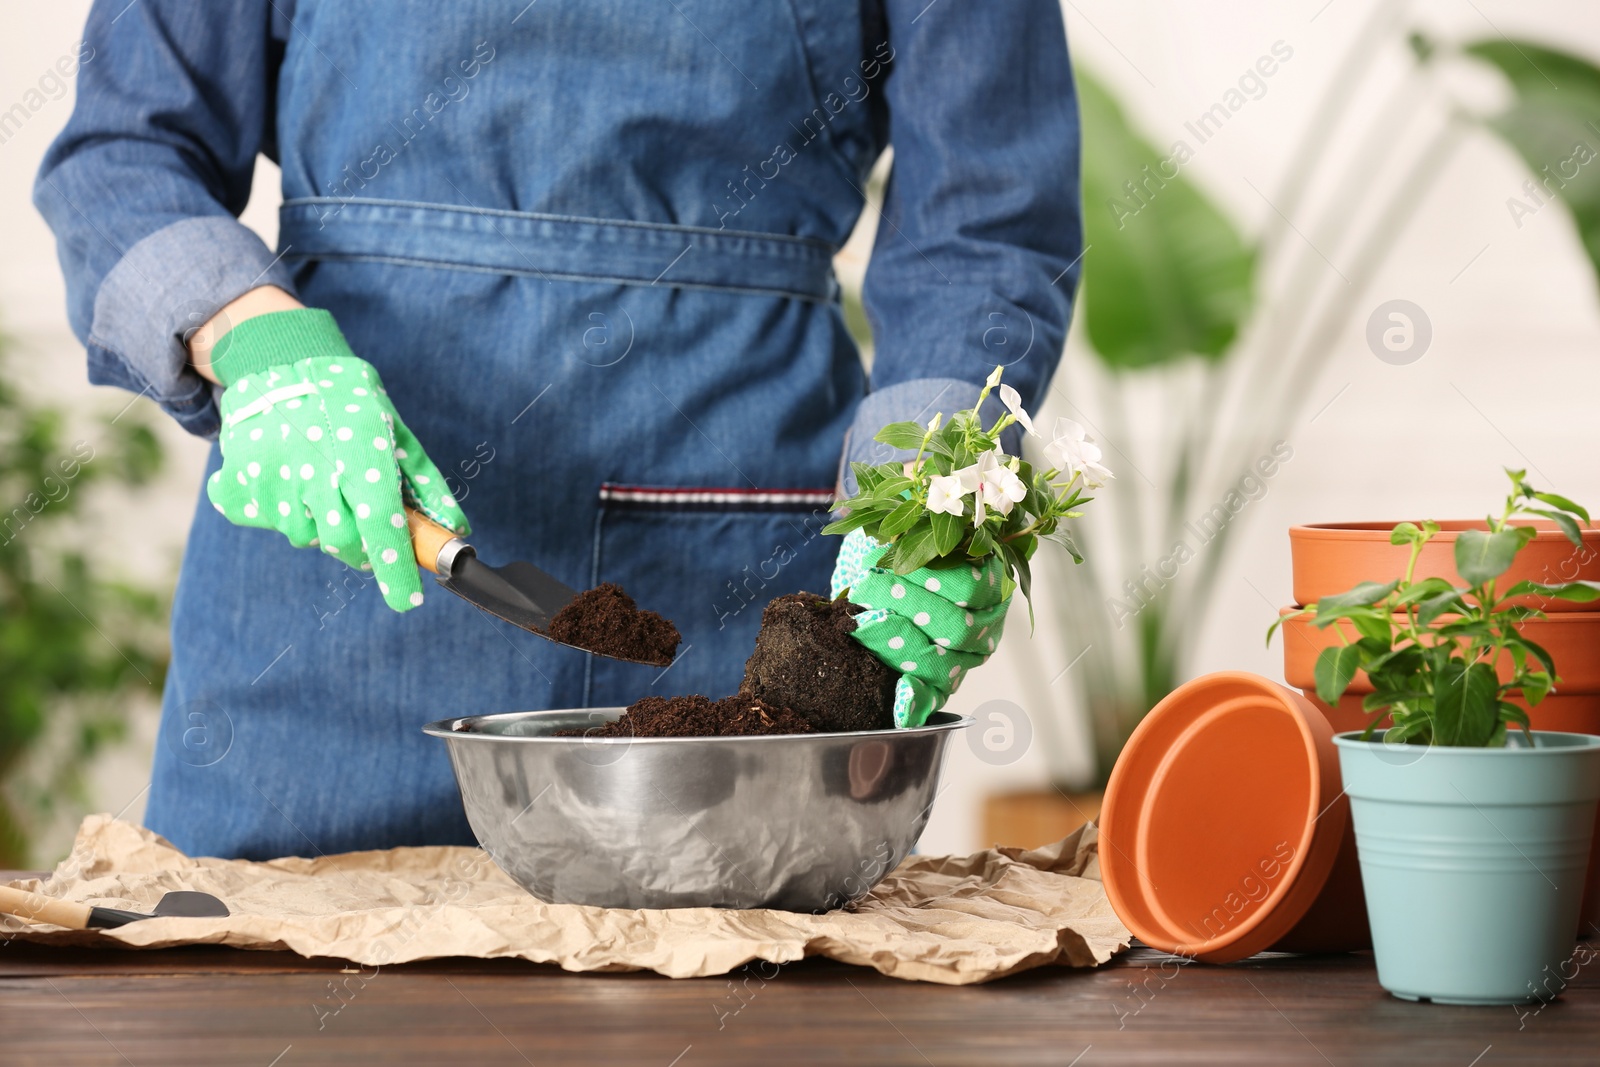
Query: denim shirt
[[588, 244], [645, 119]]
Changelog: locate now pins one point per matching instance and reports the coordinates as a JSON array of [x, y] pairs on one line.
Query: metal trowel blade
[[519, 593]]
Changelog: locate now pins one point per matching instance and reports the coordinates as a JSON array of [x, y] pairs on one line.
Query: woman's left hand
[[932, 625]]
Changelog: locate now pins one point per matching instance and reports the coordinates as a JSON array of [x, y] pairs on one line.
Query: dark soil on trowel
[[606, 620]]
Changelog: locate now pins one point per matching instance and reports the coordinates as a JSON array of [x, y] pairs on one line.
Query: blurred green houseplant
[[74, 646], [1232, 330]]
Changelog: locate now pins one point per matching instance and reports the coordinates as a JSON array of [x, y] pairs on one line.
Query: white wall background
[[1514, 311]]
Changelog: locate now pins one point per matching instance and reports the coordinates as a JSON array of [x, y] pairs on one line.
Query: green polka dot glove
[[312, 448], [932, 625]]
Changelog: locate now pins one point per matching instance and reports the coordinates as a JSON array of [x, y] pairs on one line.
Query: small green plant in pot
[[1473, 830]]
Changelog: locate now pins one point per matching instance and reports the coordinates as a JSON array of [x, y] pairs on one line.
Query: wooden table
[[210, 1007], [218, 1006]]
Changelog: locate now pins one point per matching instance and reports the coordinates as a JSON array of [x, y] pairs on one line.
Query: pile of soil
[[806, 661], [606, 620], [698, 716], [806, 675]]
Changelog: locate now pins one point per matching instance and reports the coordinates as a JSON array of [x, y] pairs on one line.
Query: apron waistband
[[556, 247]]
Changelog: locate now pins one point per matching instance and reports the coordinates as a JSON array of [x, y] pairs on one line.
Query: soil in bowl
[[606, 620], [806, 661], [698, 716]]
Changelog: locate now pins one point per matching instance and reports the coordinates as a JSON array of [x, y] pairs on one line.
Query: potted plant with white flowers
[[935, 546], [1473, 831], [962, 498]]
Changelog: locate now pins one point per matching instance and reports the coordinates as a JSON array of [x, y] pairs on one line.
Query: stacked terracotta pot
[[1331, 558]]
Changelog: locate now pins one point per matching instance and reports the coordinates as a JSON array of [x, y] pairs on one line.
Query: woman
[[585, 247]]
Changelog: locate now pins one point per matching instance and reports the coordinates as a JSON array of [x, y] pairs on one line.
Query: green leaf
[[1280, 620], [901, 435], [1403, 733], [1535, 684], [1435, 606], [1064, 538], [1555, 98], [1325, 618], [1565, 522], [1449, 696], [900, 520], [1421, 590], [1537, 650], [1466, 705], [1024, 577], [1335, 669], [1481, 714], [1404, 533], [1482, 556], [916, 549], [1363, 595], [1576, 592], [1166, 274], [1399, 662], [982, 543], [1568, 525], [1478, 628], [1556, 500], [1512, 714], [853, 521], [1376, 701], [890, 488], [948, 530], [1376, 627], [1385, 698]]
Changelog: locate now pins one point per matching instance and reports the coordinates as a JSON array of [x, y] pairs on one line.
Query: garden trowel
[[35, 907], [517, 592]]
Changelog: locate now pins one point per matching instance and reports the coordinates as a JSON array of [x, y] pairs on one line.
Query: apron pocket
[[709, 559]]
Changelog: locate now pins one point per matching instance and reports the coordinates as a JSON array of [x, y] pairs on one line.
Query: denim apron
[[605, 306]]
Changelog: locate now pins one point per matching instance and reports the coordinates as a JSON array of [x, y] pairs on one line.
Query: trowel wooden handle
[[41, 909], [428, 538]]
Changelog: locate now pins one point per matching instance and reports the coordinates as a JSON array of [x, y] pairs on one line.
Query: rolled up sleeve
[[144, 186], [976, 257]]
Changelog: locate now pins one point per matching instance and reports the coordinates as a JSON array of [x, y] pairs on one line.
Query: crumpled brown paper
[[948, 919]]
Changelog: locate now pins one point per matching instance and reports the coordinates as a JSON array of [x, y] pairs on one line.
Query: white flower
[[972, 482], [945, 492], [1000, 487], [995, 485], [994, 377], [1071, 451], [1013, 402]]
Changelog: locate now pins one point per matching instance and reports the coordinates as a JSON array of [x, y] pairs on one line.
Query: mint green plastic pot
[[1473, 862]]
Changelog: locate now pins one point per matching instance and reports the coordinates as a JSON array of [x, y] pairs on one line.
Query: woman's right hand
[[313, 448]]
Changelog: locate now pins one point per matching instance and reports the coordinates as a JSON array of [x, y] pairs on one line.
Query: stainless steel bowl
[[803, 822]]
